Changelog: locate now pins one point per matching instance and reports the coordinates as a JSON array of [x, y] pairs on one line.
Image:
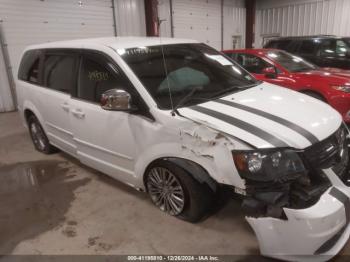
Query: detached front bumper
[[314, 234]]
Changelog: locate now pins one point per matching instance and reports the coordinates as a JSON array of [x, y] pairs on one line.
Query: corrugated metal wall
[[27, 22], [234, 24], [164, 14], [6, 103], [201, 20], [130, 16], [301, 17]]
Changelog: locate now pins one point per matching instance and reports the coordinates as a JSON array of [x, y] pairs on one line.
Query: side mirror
[[270, 72], [117, 100]]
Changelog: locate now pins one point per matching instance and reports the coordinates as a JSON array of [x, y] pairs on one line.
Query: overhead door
[[198, 19], [220, 24], [26, 22]]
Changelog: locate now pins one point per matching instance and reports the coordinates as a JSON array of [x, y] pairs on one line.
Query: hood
[[338, 72], [268, 116], [331, 76]]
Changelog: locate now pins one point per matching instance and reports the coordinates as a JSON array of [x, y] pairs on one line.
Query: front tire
[[39, 138], [174, 191]]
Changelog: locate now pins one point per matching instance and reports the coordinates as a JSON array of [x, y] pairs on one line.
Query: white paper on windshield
[[222, 60]]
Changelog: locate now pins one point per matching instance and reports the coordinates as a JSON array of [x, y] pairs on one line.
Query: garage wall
[[164, 14], [301, 17], [130, 17], [6, 103], [234, 24], [198, 19], [26, 22], [202, 20]]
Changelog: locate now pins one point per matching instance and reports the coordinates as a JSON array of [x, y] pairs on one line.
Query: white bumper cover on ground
[[313, 234]]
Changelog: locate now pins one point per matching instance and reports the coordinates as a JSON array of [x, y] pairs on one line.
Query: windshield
[[290, 62], [189, 66]]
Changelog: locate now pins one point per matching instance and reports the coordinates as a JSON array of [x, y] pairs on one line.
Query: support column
[[250, 23], [151, 10], [114, 19]]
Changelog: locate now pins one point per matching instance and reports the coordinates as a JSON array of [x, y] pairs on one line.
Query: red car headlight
[[343, 88]]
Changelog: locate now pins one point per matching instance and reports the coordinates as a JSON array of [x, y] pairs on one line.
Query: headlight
[[268, 165], [344, 88]]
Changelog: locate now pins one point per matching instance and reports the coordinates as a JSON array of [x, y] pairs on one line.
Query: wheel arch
[[198, 172], [30, 109], [27, 114]]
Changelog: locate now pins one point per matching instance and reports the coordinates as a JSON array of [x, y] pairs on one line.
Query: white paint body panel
[[104, 139], [123, 145], [309, 113]]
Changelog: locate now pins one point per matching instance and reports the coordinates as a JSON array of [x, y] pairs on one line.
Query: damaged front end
[[296, 200]]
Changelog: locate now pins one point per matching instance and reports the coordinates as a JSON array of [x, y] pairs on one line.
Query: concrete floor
[[54, 205]]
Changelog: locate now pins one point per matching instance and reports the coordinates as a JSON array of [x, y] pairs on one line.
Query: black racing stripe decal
[[340, 196], [305, 133], [242, 125]]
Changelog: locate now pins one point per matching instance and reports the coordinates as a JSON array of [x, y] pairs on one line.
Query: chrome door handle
[[78, 113], [65, 106]]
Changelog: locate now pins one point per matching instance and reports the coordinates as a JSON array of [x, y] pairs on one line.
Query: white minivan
[[180, 120]]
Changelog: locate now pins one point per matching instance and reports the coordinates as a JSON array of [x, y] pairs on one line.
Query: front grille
[[304, 189], [330, 153]]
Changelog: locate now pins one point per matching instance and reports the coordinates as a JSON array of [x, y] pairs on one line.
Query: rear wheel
[[39, 138], [175, 192]]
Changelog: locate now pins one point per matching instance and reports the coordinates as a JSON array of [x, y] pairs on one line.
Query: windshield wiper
[[186, 98]]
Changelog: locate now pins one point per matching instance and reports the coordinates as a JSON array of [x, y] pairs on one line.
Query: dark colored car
[[324, 51], [283, 69]]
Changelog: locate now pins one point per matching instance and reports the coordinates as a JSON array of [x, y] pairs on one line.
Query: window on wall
[[58, 72], [29, 68], [95, 78], [251, 63]]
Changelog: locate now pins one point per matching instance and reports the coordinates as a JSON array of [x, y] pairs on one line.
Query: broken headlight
[[268, 165]]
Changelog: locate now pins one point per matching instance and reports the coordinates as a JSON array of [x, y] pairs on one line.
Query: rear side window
[[279, 44], [59, 72], [307, 47], [97, 77], [29, 68], [271, 44]]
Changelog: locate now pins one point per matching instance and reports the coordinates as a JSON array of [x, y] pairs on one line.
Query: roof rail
[[305, 36]]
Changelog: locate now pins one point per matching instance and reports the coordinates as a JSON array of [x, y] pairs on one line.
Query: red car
[[284, 69]]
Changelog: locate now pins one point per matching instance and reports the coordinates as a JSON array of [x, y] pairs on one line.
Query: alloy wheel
[[38, 136], [166, 191]]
